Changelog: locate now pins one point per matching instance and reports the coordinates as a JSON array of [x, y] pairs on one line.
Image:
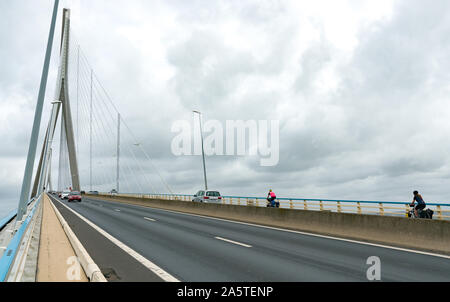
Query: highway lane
[[116, 264], [193, 248]]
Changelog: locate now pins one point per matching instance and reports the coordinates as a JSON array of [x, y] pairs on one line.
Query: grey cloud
[[312, 62], [207, 70]]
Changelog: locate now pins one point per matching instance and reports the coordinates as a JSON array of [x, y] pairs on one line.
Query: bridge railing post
[[381, 208], [359, 207], [305, 205], [291, 204], [339, 208], [439, 210], [321, 205]]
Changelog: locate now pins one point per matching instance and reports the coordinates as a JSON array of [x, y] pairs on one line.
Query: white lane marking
[[149, 219], [117, 210], [308, 234], [234, 242], [147, 263]]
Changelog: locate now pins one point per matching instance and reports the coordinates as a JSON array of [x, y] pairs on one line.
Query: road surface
[[192, 248]]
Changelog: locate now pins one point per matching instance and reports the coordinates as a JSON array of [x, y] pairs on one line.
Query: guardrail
[[9, 255], [387, 208], [4, 221]]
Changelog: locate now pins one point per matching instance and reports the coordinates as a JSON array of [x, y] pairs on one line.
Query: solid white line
[[147, 263], [310, 234], [234, 242], [149, 219], [117, 210]]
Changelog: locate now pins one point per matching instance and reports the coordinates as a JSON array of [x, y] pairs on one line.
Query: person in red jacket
[[271, 196]]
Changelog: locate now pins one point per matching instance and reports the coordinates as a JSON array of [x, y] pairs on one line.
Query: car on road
[[207, 197], [64, 195], [113, 192], [93, 192], [74, 196]]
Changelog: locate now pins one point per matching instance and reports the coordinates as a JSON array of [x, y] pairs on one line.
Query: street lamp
[[203, 152]]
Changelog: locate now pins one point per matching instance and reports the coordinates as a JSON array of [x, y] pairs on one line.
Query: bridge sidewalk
[[56, 261]]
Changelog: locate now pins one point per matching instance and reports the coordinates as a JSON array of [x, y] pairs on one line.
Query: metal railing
[[385, 208], [8, 218], [9, 255], [4, 222]]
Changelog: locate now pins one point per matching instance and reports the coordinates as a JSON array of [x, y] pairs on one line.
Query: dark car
[[74, 196]]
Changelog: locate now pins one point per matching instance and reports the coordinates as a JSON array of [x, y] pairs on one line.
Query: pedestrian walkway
[[57, 260]]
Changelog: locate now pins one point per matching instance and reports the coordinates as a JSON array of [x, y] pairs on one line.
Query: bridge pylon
[[67, 131], [65, 102]]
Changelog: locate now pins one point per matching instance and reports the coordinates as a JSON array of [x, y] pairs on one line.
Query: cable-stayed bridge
[[155, 235]]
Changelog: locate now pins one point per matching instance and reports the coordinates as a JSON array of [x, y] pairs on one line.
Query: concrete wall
[[421, 234]]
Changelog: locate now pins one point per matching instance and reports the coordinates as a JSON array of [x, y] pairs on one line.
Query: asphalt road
[[193, 248]]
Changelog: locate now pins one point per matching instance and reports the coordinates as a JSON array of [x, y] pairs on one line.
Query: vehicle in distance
[[64, 195], [208, 197], [113, 192], [74, 196], [93, 192]]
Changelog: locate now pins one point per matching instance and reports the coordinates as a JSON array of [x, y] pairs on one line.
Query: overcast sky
[[361, 88]]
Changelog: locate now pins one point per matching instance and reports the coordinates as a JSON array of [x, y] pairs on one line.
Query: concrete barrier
[[419, 234]]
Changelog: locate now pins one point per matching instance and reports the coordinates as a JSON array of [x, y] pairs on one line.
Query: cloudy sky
[[360, 88]]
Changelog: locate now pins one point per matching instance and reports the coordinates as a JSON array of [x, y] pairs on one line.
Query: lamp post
[[203, 151]]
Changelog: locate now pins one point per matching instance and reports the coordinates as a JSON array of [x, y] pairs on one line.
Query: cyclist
[[271, 198], [420, 203]]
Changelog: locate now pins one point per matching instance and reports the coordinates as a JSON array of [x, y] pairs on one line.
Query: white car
[[65, 195], [207, 197]]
